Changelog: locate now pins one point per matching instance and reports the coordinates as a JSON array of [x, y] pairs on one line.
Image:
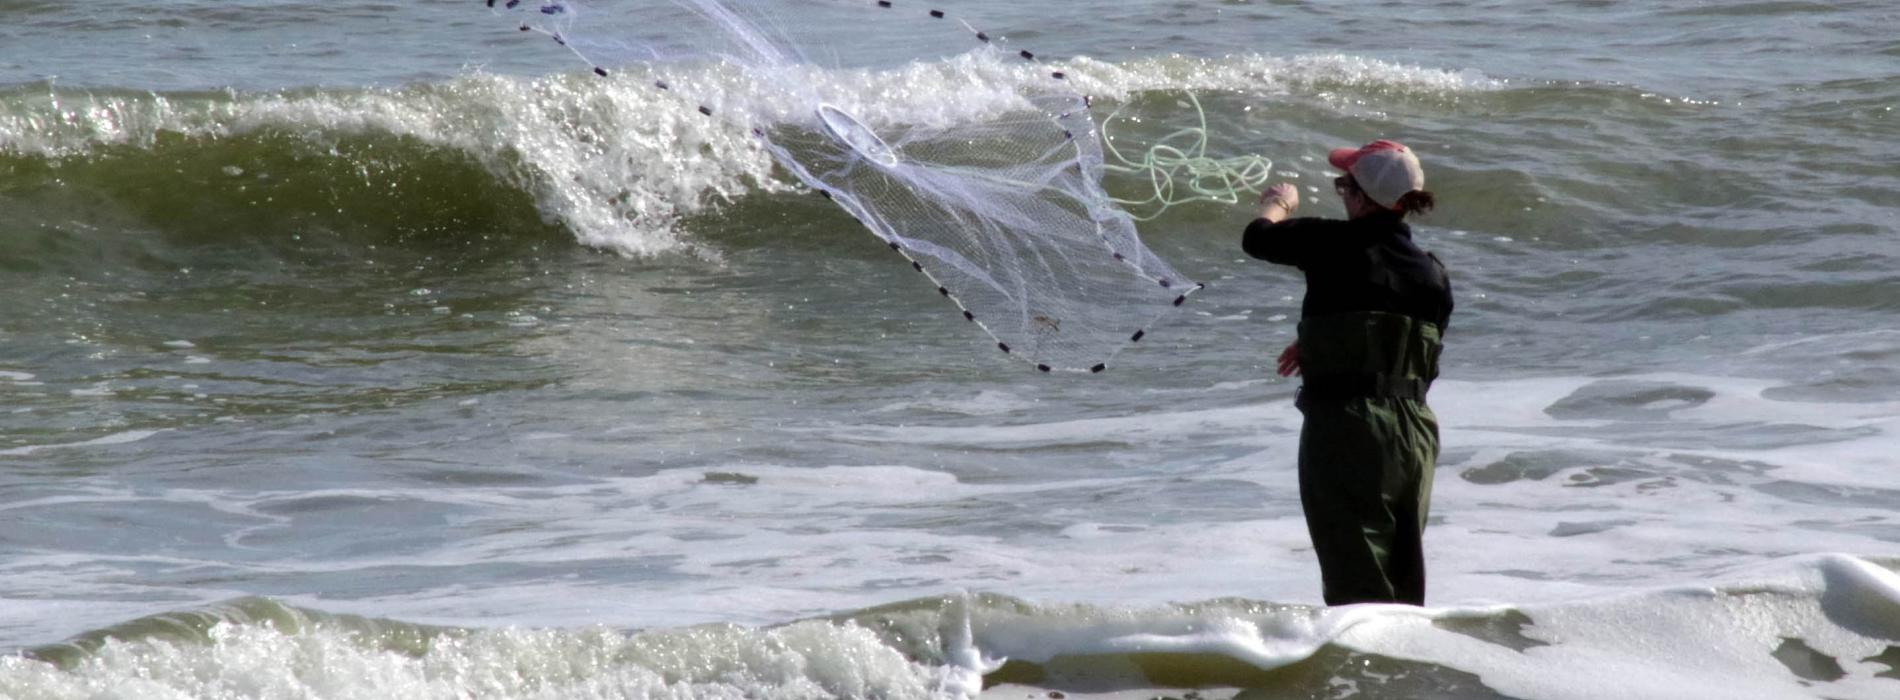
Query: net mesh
[[1005, 217]]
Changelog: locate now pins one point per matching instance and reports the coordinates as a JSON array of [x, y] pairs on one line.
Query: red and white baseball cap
[[1385, 170]]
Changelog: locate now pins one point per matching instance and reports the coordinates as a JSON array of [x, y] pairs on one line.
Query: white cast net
[[1005, 217]]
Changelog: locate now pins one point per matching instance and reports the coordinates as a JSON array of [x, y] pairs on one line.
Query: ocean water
[[377, 350]]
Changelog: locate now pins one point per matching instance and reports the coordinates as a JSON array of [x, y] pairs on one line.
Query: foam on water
[[1544, 481], [1684, 643], [1821, 625], [619, 163], [1706, 492], [118, 438], [290, 655]]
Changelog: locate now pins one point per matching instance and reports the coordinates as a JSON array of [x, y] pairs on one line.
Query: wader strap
[[1338, 387]]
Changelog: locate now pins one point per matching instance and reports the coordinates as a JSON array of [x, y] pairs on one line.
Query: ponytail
[[1415, 202]]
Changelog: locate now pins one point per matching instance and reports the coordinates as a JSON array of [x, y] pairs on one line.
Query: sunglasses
[[1345, 185]]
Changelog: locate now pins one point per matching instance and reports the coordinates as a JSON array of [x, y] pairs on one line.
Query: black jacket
[[1366, 264]]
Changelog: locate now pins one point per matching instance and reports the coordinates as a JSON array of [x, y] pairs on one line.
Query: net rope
[[1181, 171]]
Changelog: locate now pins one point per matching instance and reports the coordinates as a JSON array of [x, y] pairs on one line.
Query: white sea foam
[[808, 660], [1714, 641], [1638, 645], [113, 439], [984, 403], [1530, 502], [1584, 503]]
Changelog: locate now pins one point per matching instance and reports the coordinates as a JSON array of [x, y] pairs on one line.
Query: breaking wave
[[1823, 625], [614, 162]]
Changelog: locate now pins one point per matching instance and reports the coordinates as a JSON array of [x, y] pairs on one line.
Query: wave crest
[[614, 161]]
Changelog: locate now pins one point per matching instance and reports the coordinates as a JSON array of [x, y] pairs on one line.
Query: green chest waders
[[1367, 450]]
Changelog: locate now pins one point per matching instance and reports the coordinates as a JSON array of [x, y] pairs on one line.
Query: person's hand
[[1290, 360], [1285, 193]]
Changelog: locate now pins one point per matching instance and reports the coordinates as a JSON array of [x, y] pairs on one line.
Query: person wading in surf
[[1369, 340]]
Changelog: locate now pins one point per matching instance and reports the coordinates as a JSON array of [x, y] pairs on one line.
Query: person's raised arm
[[1272, 237]]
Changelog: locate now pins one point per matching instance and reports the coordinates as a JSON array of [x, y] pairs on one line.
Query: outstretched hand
[[1290, 360], [1279, 201], [1284, 192]]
